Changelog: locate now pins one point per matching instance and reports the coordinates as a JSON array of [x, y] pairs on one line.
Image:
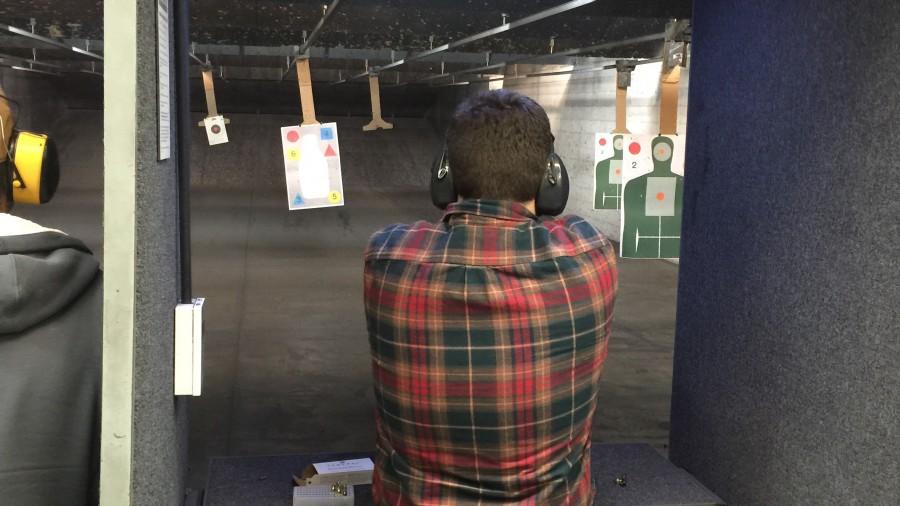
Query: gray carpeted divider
[[159, 452], [786, 387]]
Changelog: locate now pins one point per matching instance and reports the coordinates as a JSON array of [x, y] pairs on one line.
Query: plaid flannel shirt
[[488, 333]]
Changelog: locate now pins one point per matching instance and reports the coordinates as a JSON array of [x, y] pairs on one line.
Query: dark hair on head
[[498, 143]]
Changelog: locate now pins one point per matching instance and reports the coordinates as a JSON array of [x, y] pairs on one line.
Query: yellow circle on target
[[334, 197]]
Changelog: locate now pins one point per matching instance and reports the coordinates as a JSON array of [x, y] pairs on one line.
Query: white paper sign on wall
[[163, 68], [215, 130]]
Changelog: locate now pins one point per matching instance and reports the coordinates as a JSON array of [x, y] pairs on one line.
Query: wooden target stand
[[668, 101], [623, 81], [304, 82], [674, 58], [210, 91], [375, 94]]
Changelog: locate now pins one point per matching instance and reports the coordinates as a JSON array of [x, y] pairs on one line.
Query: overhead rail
[[548, 73], [25, 61], [30, 69], [329, 11], [451, 74], [591, 69], [505, 27], [192, 54], [46, 40], [536, 58]]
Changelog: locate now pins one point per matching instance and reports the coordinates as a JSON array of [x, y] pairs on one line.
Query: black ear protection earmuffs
[[550, 200]]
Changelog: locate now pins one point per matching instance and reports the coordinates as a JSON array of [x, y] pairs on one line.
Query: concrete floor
[[285, 347]]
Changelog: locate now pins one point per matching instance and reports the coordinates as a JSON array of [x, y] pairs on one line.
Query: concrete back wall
[[398, 158], [39, 106], [580, 105]]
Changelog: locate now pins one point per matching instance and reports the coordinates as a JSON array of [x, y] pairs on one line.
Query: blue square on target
[[326, 134]]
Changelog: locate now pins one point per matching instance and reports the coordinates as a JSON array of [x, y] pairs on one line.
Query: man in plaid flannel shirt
[[489, 329]]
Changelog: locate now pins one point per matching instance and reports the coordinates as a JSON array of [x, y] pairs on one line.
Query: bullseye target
[[662, 152]]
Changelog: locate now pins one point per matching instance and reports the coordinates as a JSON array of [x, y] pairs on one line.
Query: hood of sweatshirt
[[41, 273]]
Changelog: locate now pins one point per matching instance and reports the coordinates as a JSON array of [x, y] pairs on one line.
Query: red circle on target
[[293, 136], [634, 148], [660, 196], [603, 141]]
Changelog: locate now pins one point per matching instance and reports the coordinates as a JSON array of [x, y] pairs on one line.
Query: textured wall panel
[[159, 453], [786, 387]]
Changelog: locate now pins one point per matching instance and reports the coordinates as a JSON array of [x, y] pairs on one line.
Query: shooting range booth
[[228, 161]]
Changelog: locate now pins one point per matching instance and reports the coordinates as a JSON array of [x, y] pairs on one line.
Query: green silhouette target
[[608, 171], [653, 196]]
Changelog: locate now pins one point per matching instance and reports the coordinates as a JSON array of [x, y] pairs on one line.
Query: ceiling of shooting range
[[253, 40]]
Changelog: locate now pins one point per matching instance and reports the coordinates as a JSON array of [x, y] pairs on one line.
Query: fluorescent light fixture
[[47, 40], [36, 71]]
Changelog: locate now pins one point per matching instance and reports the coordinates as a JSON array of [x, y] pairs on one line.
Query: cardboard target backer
[[652, 196], [215, 130], [312, 166]]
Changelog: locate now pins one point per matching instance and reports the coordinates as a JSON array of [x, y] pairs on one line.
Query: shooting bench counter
[[649, 479]]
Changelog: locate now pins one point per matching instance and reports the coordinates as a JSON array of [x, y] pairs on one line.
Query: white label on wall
[[162, 50]]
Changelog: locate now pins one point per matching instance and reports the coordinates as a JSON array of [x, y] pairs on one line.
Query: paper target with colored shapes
[[312, 166], [652, 196]]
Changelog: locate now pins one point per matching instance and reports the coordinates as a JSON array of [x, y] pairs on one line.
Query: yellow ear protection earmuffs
[[35, 168], [32, 161], [550, 200]]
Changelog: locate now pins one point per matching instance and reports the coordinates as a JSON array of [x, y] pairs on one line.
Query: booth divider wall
[[144, 427], [786, 387]]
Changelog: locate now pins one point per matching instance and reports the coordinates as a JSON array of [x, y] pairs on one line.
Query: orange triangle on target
[[330, 151]]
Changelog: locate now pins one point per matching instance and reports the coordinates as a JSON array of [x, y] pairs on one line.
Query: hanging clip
[[678, 36], [623, 81], [623, 72]]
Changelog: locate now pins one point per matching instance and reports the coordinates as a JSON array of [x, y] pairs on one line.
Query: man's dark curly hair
[[498, 143]]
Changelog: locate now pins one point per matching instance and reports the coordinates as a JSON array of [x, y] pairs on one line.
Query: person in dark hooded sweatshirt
[[50, 360]]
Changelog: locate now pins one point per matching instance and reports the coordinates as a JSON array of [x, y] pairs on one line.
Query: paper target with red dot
[[641, 156], [651, 197], [660, 199], [662, 152], [636, 156], [215, 130], [615, 171], [604, 147]]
